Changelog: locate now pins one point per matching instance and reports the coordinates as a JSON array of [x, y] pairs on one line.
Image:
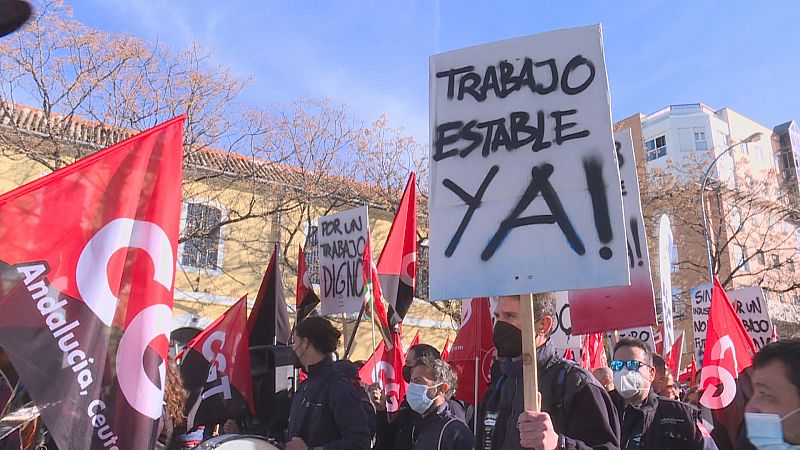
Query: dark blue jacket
[[327, 411], [442, 430], [663, 424]]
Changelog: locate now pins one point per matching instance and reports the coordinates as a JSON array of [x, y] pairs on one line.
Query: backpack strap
[[441, 433], [560, 388]]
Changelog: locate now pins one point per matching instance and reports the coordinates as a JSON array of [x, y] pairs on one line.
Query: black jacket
[[442, 430], [327, 411], [580, 409], [659, 423], [397, 433]]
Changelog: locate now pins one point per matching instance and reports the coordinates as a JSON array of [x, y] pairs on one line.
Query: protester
[[669, 388], [692, 396], [660, 365], [394, 432], [326, 409], [173, 420], [772, 416], [651, 422], [605, 377], [576, 411], [436, 427], [350, 371]]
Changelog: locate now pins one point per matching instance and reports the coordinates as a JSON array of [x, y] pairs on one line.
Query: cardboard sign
[[562, 336], [342, 238], [525, 190], [749, 304], [596, 310], [643, 333]]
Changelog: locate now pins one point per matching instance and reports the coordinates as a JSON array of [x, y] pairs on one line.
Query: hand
[[230, 427], [536, 431], [296, 444], [377, 396]]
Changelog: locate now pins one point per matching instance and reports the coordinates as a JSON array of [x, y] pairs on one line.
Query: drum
[[236, 442]]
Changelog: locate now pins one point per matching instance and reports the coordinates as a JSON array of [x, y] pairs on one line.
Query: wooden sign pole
[[530, 377]]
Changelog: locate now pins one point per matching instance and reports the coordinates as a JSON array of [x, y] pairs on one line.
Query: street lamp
[[755, 137]]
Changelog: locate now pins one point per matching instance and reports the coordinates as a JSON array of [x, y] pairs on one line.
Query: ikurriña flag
[[215, 367], [87, 258], [305, 299], [268, 323], [397, 265]]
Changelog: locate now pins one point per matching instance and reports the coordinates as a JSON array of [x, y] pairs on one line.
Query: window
[[761, 258], [784, 227], [201, 249], [678, 308], [781, 298], [311, 250], [736, 218], [673, 257], [756, 219], [776, 261], [745, 148], [422, 271], [700, 142], [790, 264], [656, 148], [740, 257]]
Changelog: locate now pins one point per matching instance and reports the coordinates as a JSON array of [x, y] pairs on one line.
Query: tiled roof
[[95, 135]]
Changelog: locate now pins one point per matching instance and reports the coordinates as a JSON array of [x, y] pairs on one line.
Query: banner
[[750, 306], [87, 259], [598, 310], [342, 238], [665, 276], [525, 188], [215, 367], [397, 265], [563, 337], [642, 333]]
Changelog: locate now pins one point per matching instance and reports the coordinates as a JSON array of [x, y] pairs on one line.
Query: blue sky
[[374, 55]]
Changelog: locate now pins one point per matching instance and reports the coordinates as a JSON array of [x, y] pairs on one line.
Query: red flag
[[731, 351], [215, 367], [385, 367], [673, 357], [688, 375], [88, 258], [269, 321], [397, 265], [473, 341], [569, 355], [593, 353], [374, 305], [305, 297], [445, 349], [658, 339], [414, 341]]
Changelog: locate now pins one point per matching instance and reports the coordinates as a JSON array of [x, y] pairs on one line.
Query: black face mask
[[297, 363], [507, 340], [407, 373]]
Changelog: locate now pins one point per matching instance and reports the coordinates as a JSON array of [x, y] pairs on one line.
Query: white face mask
[[629, 383], [417, 397], [765, 431]]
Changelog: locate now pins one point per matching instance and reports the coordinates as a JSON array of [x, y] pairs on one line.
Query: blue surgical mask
[[765, 431], [417, 397]]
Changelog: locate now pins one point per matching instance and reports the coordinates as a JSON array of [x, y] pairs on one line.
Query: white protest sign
[[604, 309], [643, 333], [562, 336], [342, 238], [665, 276], [525, 189], [749, 304]]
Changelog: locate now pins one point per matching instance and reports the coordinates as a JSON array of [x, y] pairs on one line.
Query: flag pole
[[477, 347], [355, 329], [529, 368], [372, 313]]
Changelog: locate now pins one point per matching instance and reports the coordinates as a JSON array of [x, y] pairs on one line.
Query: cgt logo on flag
[[88, 257]]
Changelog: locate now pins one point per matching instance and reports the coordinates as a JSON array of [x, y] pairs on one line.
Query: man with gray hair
[[576, 412], [433, 382]]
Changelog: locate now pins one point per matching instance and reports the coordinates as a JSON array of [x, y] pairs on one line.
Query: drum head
[[236, 442]]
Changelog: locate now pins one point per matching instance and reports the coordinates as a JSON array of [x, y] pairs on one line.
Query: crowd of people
[[635, 403]]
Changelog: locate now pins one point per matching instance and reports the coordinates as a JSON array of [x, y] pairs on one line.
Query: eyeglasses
[[632, 364]]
